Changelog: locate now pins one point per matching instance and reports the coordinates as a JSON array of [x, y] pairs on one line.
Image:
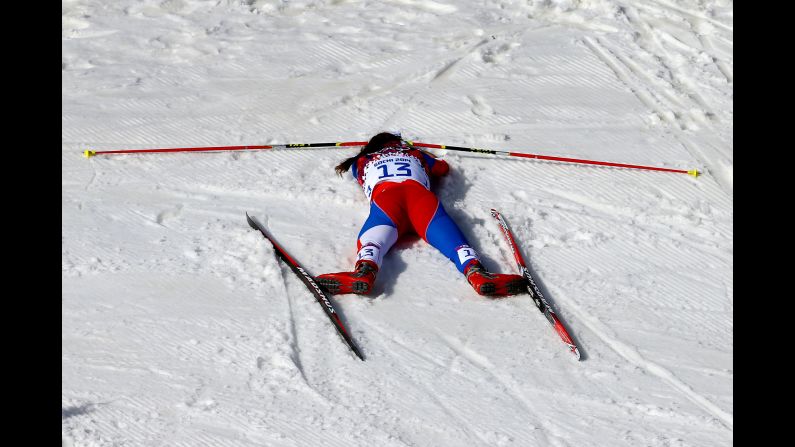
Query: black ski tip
[[251, 222]]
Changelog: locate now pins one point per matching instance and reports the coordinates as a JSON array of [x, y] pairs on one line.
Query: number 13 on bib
[[394, 168]]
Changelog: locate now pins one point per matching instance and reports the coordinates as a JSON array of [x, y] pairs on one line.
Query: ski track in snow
[[553, 438], [633, 356], [180, 326]]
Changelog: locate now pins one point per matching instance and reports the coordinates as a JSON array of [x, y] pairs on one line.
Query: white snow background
[[180, 327]]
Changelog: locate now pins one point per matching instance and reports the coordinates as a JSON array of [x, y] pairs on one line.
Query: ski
[[309, 281], [535, 292]]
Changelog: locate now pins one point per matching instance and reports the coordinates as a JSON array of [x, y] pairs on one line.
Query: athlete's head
[[381, 141], [378, 142]]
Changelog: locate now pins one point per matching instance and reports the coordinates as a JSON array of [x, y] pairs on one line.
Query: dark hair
[[374, 145]]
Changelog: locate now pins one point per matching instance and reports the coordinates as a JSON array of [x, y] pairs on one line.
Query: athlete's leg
[[435, 226], [378, 234], [432, 222]]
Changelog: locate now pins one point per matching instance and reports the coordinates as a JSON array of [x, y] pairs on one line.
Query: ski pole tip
[[89, 153], [694, 172]]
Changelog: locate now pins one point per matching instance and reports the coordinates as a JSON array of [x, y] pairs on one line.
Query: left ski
[[310, 283], [535, 293]]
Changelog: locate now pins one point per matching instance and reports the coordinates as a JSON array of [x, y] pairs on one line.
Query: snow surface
[[181, 327]]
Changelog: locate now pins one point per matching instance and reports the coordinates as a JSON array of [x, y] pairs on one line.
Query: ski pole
[[693, 172], [90, 153]]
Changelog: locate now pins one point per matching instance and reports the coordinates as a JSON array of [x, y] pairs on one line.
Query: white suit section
[[393, 167], [376, 241]]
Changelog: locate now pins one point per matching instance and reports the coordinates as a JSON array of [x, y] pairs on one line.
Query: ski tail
[[538, 298], [321, 297]]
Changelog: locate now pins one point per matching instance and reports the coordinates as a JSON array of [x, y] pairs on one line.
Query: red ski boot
[[494, 284], [359, 281]]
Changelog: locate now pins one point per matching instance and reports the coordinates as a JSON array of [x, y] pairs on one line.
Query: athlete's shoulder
[[415, 152], [436, 166]]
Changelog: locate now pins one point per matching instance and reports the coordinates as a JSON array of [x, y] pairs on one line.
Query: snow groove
[[633, 356], [462, 423], [550, 433]]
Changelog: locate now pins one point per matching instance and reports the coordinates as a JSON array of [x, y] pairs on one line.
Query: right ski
[[310, 283], [535, 292]]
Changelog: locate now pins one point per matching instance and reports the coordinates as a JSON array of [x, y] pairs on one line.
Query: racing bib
[[393, 167]]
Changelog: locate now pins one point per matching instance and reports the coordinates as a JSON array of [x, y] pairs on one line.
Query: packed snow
[[180, 326]]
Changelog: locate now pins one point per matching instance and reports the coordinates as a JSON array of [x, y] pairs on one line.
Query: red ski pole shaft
[[693, 172], [90, 153]]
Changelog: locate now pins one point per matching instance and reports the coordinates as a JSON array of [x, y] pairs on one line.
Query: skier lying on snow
[[396, 179]]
